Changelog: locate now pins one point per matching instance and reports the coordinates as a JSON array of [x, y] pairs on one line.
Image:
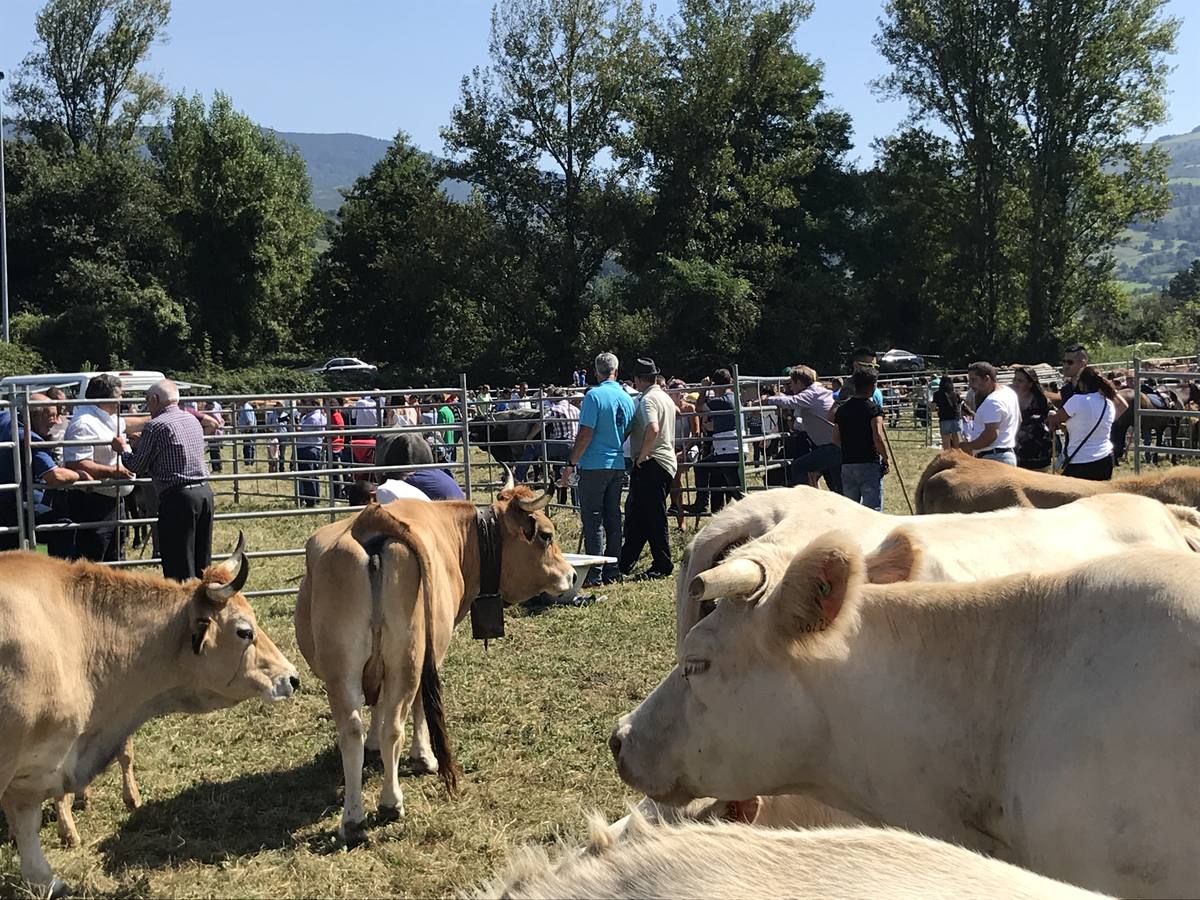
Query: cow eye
[[245, 632], [695, 666], [546, 536]]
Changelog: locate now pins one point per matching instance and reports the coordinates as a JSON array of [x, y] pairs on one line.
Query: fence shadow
[[210, 822]]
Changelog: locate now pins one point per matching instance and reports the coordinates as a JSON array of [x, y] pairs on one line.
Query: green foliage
[[262, 379], [238, 200], [81, 87], [18, 358]]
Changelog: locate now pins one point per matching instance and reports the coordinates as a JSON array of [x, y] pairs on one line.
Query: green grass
[[246, 802]]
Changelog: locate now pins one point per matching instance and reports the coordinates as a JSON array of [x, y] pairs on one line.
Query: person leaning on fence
[[310, 449], [170, 449], [603, 419], [561, 426], [98, 421], [813, 403], [45, 473], [1088, 416], [652, 437], [992, 427], [717, 479], [858, 429]]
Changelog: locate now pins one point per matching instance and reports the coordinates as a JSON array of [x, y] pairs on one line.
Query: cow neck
[[487, 527]]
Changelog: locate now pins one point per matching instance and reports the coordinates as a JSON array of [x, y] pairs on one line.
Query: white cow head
[[742, 713]]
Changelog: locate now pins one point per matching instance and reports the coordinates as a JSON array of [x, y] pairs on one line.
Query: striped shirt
[[171, 450]]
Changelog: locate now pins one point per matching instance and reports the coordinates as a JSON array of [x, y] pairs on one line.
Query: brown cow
[[954, 482], [381, 595], [89, 653]]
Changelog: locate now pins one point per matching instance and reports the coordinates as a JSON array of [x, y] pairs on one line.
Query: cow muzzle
[[282, 687]]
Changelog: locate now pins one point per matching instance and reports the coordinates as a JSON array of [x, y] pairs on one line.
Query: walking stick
[[896, 465]]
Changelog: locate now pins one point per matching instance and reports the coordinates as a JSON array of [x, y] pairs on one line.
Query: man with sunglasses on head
[[863, 359]]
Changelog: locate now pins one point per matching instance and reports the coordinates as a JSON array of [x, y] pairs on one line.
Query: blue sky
[[376, 66]]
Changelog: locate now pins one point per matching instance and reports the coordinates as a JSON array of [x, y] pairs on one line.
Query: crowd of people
[[637, 439]]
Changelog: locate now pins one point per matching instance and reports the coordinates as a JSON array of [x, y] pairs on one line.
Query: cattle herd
[[991, 698]]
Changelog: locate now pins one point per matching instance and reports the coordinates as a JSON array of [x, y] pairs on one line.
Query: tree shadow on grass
[[211, 822]]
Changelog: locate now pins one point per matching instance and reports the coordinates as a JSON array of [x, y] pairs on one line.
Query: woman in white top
[[1089, 416]]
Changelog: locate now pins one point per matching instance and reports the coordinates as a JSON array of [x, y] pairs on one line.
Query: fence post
[[27, 466], [741, 429], [465, 434], [1137, 416], [17, 469]]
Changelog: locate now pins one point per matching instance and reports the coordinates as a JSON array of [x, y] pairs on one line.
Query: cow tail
[[431, 697]]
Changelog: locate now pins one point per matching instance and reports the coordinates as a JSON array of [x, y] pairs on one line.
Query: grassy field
[[246, 802]]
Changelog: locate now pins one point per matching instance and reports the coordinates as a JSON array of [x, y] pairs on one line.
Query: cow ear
[[200, 629], [819, 583], [896, 559]]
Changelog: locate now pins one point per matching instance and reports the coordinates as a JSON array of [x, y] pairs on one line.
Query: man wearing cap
[[603, 420], [652, 441]]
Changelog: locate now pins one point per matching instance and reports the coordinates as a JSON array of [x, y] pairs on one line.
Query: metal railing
[[1140, 373]]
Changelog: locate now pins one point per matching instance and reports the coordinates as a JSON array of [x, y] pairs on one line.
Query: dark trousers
[[248, 451], [214, 456], [99, 544], [1100, 470], [825, 459], [309, 458], [185, 521], [646, 517], [716, 481]]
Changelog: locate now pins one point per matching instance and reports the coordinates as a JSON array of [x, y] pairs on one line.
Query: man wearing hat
[[652, 442]]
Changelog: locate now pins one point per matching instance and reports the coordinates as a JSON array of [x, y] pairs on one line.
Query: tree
[[417, 281], [532, 130], [1182, 300], [237, 200], [81, 87]]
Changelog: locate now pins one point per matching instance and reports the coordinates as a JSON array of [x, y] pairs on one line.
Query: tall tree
[[1091, 74], [532, 132], [415, 280], [238, 201], [81, 86]]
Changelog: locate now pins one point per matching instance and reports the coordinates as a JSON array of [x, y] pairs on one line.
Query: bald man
[[170, 450]]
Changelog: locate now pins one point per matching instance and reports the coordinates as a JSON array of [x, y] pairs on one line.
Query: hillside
[[336, 160], [1157, 250]]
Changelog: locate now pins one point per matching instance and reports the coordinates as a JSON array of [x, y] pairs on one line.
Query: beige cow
[[88, 653], [381, 594], [1048, 720], [956, 482], [731, 862]]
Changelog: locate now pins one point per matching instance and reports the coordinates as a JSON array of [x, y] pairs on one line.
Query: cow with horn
[[88, 653], [381, 594]]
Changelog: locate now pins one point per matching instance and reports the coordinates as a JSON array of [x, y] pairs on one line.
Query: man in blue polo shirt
[[45, 473], [603, 419]]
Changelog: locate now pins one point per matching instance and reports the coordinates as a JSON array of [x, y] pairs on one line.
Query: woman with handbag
[[1088, 416]]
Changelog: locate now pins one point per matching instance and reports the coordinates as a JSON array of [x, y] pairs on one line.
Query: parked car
[[346, 364], [901, 361]]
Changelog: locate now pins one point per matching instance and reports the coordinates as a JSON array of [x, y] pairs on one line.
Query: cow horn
[[509, 481], [734, 578], [222, 592], [533, 504]]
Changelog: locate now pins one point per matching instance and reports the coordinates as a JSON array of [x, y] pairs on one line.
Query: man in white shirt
[[366, 413], [398, 489], [996, 418], [99, 462]]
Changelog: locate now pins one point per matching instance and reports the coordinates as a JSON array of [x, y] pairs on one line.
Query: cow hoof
[[70, 841], [390, 813], [353, 834], [423, 766]]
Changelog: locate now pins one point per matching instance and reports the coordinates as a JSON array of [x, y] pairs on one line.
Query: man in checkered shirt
[[171, 451]]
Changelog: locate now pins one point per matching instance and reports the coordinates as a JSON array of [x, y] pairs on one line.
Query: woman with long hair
[[946, 399], [1033, 436], [1088, 416]]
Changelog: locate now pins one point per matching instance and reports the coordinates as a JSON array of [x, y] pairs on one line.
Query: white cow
[[1048, 720], [950, 546], [732, 861]]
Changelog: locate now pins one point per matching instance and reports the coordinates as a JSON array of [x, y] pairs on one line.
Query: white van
[[74, 384]]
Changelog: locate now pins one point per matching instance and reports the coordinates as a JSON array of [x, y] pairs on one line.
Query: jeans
[[646, 517], [826, 459], [600, 510], [309, 458], [1009, 458], [863, 483]]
